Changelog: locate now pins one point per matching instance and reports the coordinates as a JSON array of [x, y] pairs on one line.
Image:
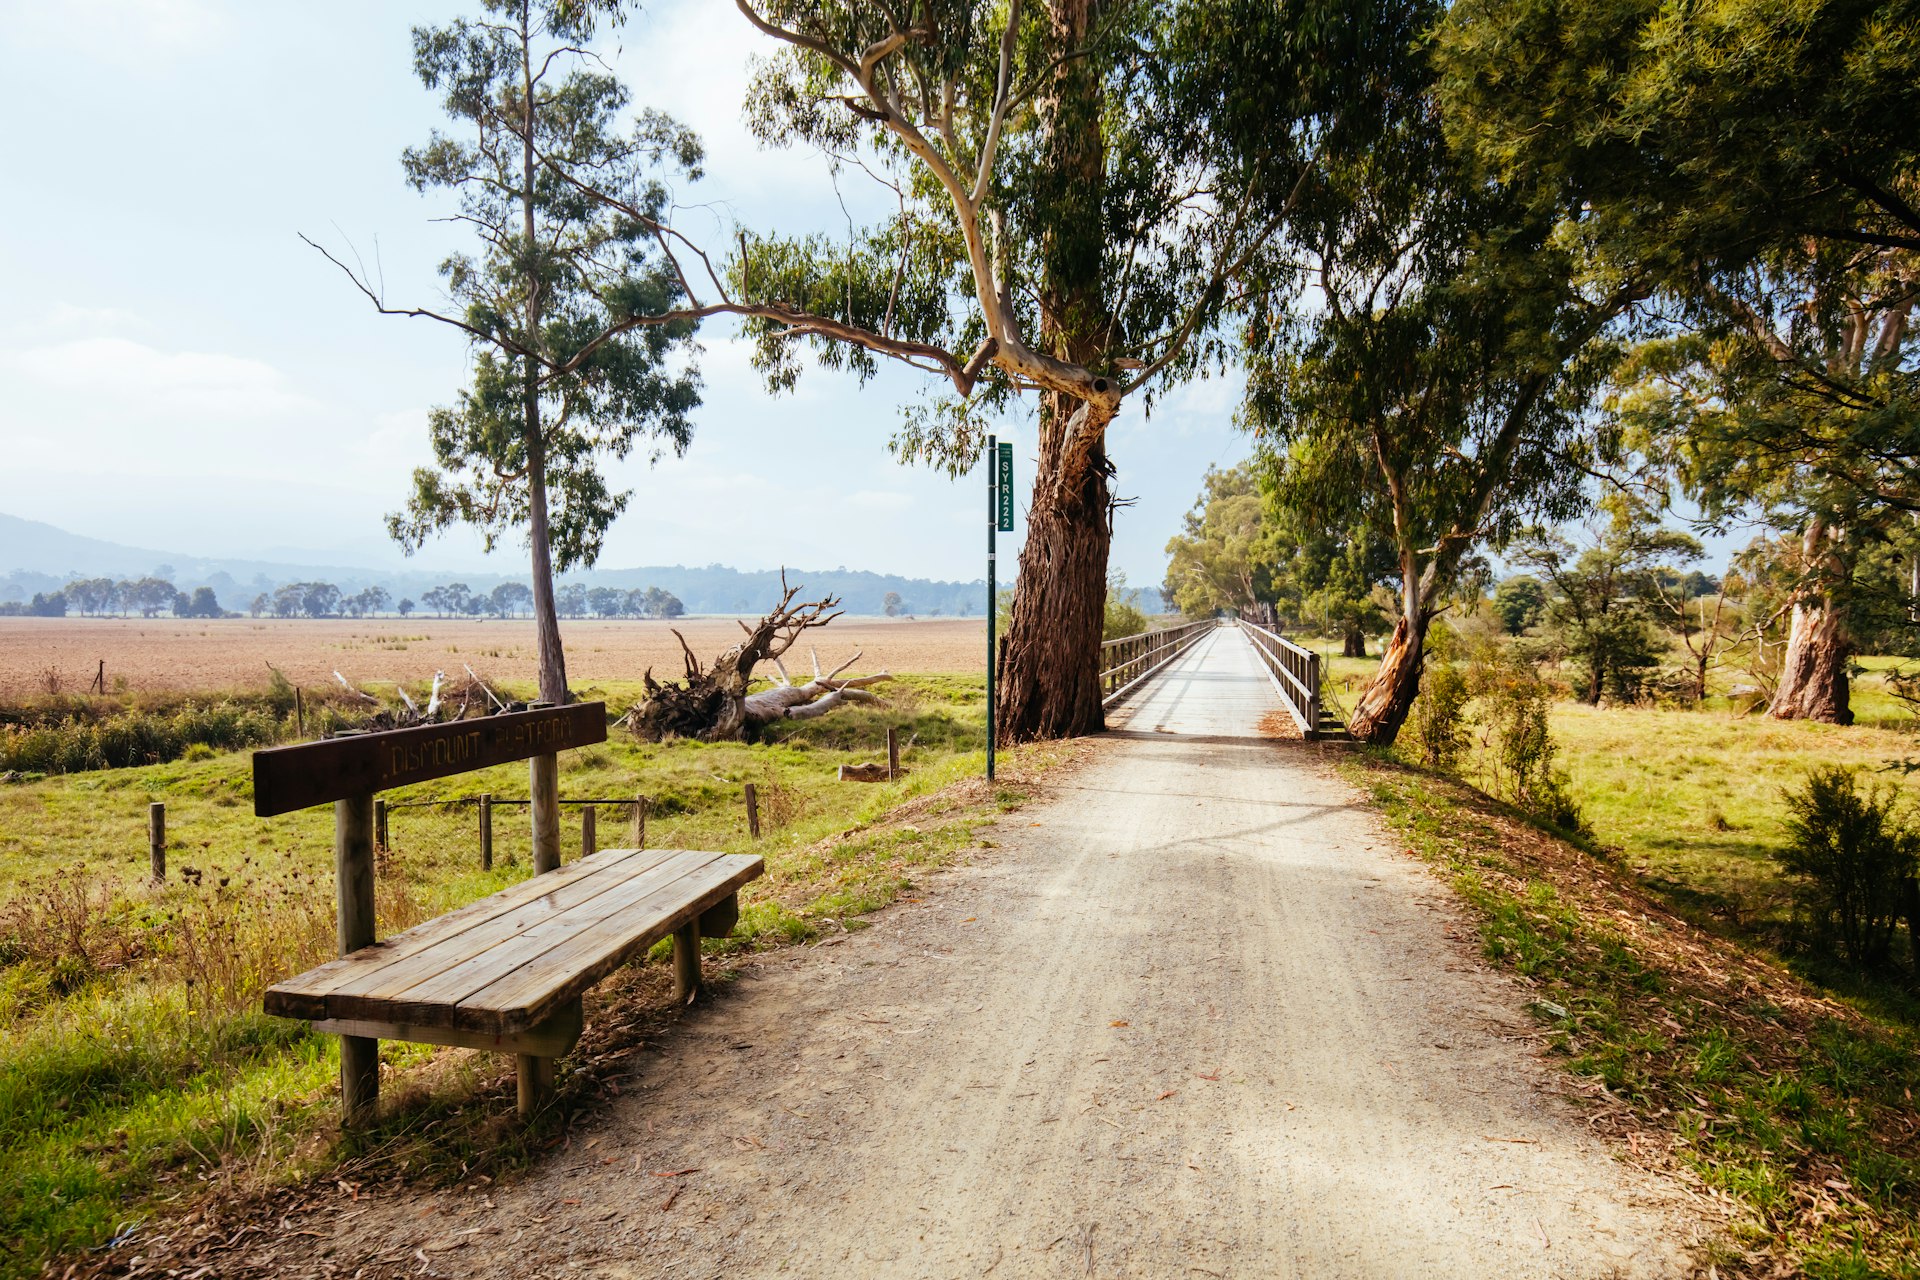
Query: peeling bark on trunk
[[1813, 675], [1384, 705], [1050, 669]]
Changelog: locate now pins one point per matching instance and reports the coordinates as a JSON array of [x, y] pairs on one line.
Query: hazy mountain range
[[40, 557]]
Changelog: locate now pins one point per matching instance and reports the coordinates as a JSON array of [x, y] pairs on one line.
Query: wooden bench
[[507, 972]]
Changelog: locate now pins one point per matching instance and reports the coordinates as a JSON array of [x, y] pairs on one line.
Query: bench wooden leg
[[718, 920], [686, 962], [536, 1082], [359, 1077]]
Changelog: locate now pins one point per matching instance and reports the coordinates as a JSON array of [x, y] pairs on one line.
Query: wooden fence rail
[[1126, 661], [1295, 670]]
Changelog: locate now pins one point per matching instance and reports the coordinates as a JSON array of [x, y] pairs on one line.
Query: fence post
[[753, 812], [157, 838], [639, 822], [588, 835], [1313, 699], [486, 831], [379, 825], [893, 753]]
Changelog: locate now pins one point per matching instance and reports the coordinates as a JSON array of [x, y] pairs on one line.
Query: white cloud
[[120, 372]]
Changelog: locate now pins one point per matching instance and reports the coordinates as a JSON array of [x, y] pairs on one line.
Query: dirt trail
[[1192, 1018]]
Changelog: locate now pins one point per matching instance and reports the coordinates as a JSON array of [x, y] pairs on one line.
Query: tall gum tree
[[1437, 401], [1086, 192], [1790, 391], [1757, 161], [560, 380]]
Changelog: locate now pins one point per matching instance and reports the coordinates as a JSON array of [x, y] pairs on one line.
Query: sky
[[182, 373]]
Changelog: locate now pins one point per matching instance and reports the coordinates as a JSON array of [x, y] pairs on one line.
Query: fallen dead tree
[[713, 704], [445, 703]]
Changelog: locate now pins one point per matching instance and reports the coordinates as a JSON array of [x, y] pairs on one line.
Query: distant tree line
[[575, 600], [148, 597], [153, 597]]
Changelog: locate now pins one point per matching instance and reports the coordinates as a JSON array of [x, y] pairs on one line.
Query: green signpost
[[1003, 480], [999, 520]]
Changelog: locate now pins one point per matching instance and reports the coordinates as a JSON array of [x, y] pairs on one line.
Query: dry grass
[[170, 653]]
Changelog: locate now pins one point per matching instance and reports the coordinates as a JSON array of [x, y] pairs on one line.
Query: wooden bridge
[[1213, 660]]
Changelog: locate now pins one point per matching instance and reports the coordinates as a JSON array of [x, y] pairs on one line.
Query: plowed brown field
[[38, 654]]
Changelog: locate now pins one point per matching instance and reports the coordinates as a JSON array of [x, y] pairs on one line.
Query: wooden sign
[[289, 778]]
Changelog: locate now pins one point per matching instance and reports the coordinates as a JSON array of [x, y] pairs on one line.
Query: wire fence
[[492, 830]]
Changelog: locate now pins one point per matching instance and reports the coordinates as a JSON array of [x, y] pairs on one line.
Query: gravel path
[[1192, 1017]]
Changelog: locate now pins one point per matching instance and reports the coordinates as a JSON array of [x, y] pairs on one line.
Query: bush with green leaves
[[1515, 703], [1851, 851], [133, 737], [1439, 717]]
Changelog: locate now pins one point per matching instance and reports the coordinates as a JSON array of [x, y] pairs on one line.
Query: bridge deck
[[1217, 689]]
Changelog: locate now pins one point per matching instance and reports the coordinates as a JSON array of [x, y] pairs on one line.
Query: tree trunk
[[1813, 674], [1050, 660], [1354, 643], [1049, 684], [1383, 706], [546, 622]]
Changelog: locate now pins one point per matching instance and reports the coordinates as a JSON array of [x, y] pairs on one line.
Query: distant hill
[[41, 557]]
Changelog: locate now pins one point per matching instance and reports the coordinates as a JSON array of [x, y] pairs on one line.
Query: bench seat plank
[[421, 991], [304, 996], [504, 936], [531, 991], [503, 964]]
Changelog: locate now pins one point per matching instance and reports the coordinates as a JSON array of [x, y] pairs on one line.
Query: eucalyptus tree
[[1604, 594], [1791, 392], [1227, 551], [1438, 400], [1757, 161], [561, 380], [1083, 192]]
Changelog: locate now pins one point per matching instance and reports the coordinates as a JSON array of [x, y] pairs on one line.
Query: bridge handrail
[[1296, 672], [1139, 656]]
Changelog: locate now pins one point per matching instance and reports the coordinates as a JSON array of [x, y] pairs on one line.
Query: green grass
[[1694, 799], [1798, 1110], [135, 1071]]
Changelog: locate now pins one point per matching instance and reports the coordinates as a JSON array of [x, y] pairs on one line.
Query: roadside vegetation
[[1696, 1051], [60, 732], [136, 1072], [1714, 908]]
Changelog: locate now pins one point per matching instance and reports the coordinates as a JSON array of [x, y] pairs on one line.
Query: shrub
[[1123, 618], [1439, 716], [130, 738], [1850, 854], [1517, 702]]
